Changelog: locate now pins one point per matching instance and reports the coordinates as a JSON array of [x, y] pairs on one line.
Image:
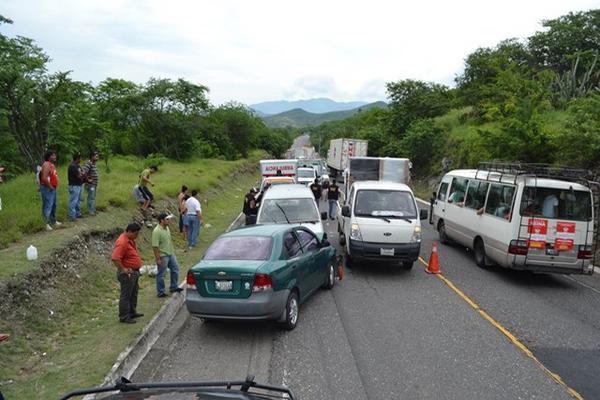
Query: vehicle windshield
[[306, 173], [296, 210], [385, 203], [568, 204], [240, 248]]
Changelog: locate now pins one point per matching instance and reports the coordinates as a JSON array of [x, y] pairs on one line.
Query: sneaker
[[176, 290], [48, 227], [57, 223], [136, 315], [162, 295], [128, 321]]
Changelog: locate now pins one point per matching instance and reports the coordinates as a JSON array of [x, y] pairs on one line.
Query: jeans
[[75, 198], [48, 204], [171, 263], [91, 198], [332, 208], [193, 225], [129, 294]]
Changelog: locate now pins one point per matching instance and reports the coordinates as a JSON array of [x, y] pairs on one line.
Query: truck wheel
[[407, 265]]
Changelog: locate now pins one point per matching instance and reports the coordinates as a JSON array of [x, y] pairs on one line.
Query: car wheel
[[442, 233], [330, 282], [480, 257], [292, 311], [408, 265]]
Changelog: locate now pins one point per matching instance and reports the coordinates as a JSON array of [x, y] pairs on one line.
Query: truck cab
[[380, 221]]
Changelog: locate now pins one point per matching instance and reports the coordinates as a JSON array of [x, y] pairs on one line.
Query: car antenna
[[283, 212]]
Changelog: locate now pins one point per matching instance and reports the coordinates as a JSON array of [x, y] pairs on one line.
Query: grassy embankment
[[65, 332]]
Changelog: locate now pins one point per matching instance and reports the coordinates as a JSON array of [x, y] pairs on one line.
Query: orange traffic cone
[[434, 265]]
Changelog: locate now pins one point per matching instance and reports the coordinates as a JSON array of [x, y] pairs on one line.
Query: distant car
[[291, 204], [306, 175], [260, 273]]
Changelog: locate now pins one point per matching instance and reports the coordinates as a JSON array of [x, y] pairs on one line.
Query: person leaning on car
[[126, 258]]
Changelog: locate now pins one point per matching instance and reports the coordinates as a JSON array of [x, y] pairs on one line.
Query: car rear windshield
[[240, 248], [306, 173], [556, 203], [385, 203], [295, 210]]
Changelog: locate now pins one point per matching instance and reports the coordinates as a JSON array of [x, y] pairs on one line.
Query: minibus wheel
[[442, 233], [480, 257]]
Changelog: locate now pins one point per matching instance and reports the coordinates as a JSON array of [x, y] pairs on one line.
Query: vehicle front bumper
[[259, 306], [372, 251]]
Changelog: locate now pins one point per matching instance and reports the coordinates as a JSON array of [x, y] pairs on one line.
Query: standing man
[[316, 190], [75, 175], [126, 258], [333, 194], [90, 171], [144, 182], [250, 208], [48, 185], [181, 206], [193, 218], [164, 253]]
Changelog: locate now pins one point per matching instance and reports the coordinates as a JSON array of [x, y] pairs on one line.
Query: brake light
[[518, 247], [585, 252], [190, 279], [262, 283]]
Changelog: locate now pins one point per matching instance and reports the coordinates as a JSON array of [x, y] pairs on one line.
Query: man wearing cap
[[126, 258], [90, 171], [164, 252]]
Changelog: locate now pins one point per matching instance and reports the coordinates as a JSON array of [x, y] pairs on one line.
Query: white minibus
[[524, 217]]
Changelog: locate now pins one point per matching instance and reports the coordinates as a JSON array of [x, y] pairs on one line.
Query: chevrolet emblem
[[221, 273]]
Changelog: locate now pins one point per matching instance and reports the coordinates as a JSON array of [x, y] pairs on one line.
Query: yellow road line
[[513, 339]]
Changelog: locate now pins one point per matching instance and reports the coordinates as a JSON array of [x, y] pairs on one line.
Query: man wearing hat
[[164, 253]]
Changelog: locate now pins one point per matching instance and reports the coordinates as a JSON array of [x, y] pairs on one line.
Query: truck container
[[378, 169], [340, 150]]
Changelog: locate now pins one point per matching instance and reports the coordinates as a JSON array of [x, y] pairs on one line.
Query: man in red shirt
[[48, 185], [128, 262]]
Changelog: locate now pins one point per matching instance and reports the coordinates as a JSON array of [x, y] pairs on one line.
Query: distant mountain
[[317, 106], [299, 118]]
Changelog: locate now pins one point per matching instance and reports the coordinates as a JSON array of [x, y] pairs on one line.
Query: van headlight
[[416, 236], [355, 232]]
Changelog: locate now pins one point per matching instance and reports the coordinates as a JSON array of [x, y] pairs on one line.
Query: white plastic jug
[[32, 253]]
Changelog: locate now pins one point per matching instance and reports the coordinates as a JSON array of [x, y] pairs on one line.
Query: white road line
[[583, 284]]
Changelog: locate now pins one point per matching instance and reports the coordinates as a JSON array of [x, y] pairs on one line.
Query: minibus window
[[556, 203], [441, 196], [476, 195], [457, 191], [499, 202]]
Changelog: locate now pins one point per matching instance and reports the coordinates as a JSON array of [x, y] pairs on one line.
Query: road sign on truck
[[340, 150]]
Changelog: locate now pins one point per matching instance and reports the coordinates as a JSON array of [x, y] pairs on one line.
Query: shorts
[[146, 193]]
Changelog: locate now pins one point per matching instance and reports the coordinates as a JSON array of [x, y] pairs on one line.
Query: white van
[[292, 204], [306, 175], [381, 221], [518, 217]]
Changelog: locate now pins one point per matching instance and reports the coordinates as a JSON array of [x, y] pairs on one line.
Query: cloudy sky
[[252, 51]]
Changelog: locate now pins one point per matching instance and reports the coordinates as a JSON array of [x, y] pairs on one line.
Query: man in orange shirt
[[128, 262]]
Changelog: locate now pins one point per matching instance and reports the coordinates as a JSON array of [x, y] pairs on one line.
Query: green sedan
[[261, 272]]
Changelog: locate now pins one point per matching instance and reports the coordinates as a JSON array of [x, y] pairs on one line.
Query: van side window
[[458, 190], [500, 200], [441, 195], [476, 194]]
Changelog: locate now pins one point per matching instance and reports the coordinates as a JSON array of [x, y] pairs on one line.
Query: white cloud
[[267, 50]]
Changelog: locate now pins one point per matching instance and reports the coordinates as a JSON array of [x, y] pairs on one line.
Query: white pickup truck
[[381, 221]]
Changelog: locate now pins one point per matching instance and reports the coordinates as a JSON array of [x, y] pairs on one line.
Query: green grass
[[67, 335]]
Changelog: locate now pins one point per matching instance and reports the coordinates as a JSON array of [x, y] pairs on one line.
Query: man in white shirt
[[193, 219], [550, 206]]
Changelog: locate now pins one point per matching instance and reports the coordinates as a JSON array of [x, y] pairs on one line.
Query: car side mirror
[[346, 211], [325, 243], [423, 214], [324, 216]]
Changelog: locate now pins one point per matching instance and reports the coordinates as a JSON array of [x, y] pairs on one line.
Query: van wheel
[[442, 233], [292, 311], [407, 265], [480, 257]]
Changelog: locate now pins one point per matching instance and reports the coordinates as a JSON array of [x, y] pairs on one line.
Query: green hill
[[299, 118]]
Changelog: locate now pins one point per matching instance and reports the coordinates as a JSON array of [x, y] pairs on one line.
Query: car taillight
[[585, 252], [262, 283], [518, 247], [190, 279]]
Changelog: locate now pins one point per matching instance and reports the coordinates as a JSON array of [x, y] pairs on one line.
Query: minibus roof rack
[[536, 170]]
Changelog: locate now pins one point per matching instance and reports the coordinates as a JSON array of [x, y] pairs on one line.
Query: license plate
[[551, 252], [386, 252], [224, 286]]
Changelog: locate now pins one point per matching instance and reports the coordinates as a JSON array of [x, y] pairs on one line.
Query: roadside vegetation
[[532, 100]]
